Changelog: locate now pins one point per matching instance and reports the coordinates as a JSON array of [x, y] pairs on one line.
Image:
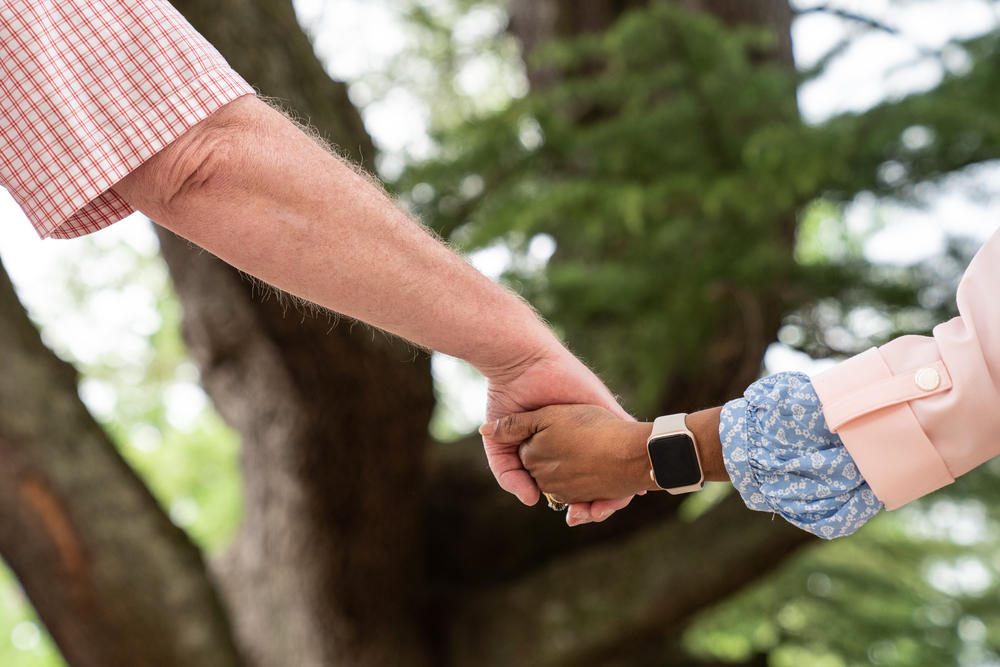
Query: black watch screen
[[675, 462]]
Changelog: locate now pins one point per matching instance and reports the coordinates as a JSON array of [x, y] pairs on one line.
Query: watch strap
[[670, 424]]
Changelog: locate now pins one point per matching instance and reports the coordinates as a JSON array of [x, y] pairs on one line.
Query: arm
[[249, 186]]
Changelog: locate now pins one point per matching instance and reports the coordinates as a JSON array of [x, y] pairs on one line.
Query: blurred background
[[694, 193]]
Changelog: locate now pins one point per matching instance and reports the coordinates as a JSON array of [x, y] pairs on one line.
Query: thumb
[[512, 428]]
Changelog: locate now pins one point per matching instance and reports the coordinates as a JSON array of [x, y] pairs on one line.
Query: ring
[[555, 505]]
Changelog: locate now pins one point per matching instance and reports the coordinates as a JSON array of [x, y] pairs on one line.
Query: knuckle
[[506, 425], [524, 453]]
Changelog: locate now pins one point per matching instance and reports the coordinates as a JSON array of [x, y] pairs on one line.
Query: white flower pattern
[[782, 458]]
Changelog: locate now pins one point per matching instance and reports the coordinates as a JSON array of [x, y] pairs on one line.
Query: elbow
[[198, 165]]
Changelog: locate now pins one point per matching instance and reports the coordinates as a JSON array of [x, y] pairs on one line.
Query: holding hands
[[552, 377], [581, 453]]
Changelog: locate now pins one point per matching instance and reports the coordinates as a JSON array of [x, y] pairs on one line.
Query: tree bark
[[333, 415], [114, 581], [333, 422]]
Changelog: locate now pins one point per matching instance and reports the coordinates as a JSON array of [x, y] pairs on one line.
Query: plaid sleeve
[[91, 89]]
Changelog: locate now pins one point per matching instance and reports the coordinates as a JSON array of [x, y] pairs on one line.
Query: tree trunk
[[114, 581], [333, 415]]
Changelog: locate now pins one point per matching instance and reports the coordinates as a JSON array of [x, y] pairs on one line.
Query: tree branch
[[477, 535], [589, 604], [114, 581], [848, 16]]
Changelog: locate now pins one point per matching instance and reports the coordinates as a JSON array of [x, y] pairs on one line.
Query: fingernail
[[603, 515], [488, 428]]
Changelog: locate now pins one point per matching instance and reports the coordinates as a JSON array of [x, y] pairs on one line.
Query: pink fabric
[[91, 89], [909, 440]]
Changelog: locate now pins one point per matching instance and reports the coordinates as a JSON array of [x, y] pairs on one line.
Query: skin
[[582, 452], [249, 186]]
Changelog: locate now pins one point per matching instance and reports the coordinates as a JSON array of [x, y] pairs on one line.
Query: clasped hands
[[553, 425], [578, 453]]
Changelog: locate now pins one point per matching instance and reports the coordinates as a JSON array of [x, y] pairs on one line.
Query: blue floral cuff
[[782, 458]]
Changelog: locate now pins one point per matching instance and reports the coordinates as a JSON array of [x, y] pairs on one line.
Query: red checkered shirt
[[91, 89]]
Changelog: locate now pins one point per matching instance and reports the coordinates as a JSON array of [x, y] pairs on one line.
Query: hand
[[580, 452], [553, 377]]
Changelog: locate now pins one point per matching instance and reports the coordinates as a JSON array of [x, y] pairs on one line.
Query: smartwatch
[[673, 456]]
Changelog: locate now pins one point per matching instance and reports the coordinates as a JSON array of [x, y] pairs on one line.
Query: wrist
[[528, 344], [704, 424], [639, 464]]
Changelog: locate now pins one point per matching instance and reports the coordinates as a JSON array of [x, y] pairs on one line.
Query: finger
[[510, 475], [513, 428], [520, 483], [602, 509], [578, 514]]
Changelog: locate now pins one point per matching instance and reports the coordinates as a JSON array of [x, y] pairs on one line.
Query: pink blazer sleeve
[[921, 410]]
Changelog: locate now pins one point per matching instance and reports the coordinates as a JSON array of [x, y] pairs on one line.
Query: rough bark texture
[[263, 41], [114, 581], [333, 416]]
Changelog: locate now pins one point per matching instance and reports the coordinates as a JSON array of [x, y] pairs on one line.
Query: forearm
[[256, 191]]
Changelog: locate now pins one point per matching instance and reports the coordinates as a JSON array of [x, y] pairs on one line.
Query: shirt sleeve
[[91, 89], [921, 410], [782, 458]]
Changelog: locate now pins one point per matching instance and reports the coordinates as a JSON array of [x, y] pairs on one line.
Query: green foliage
[[652, 176], [670, 165]]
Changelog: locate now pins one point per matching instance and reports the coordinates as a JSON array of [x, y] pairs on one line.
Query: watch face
[[675, 462]]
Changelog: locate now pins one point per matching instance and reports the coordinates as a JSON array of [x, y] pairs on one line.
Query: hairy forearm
[[249, 186]]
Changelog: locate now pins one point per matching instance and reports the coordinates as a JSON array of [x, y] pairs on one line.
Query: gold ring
[[556, 505]]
